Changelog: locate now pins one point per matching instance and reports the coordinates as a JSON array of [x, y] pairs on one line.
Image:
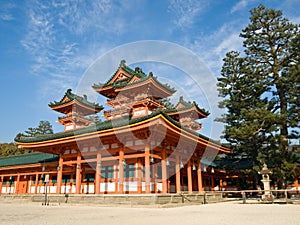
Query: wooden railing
[[284, 195]]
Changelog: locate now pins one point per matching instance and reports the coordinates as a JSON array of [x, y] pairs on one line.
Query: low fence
[[282, 196], [208, 197]]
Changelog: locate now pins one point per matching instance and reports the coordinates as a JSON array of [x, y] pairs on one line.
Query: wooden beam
[[189, 174], [164, 171], [59, 174], [177, 169], [78, 174], [199, 176], [147, 168], [98, 174]]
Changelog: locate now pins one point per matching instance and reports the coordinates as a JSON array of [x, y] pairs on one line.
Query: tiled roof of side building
[[71, 96], [185, 106], [30, 158]]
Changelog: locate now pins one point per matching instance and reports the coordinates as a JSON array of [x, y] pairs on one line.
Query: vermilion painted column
[[36, 183], [1, 182], [98, 173], [199, 175], [189, 174], [296, 183], [147, 168], [59, 174], [164, 171], [177, 169], [212, 183], [78, 173], [17, 184], [121, 171], [154, 169], [139, 176]]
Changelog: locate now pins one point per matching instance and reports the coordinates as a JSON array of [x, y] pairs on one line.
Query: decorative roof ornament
[[122, 63]]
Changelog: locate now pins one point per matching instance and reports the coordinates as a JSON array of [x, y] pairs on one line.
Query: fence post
[[286, 196], [244, 197]]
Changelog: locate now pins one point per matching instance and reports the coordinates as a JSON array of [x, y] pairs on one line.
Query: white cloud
[[295, 20], [212, 49], [5, 11], [64, 38], [185, 11], [240, 5]]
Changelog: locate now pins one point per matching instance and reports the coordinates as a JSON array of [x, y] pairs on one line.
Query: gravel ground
[[231, 213]]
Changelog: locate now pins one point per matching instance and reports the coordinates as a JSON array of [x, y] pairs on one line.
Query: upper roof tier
[[71, 102], [192, 109], [128, 82]]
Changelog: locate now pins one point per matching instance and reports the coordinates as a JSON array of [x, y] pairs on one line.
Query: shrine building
[[144, 144]]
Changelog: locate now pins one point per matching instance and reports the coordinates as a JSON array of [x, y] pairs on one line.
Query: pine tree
[[43, 128], [262, 108]]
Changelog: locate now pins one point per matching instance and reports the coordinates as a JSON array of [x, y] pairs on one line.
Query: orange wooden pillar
[[78, 174], [1, 183], [121, 171], [189, 174], [164, 171], [36, 183], [59, 174], [98, 174], [199, 176], [296, 184], [139, 176], [17, 184], [212, 183], [154, 177], [147, 168], [177, 169]]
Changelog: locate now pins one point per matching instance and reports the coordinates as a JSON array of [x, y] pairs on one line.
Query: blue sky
[[49, 46]]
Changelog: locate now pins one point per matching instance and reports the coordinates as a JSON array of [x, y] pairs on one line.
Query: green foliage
[[167, 103], [262, 105], [7, 149], [95, 118], [43, 128]]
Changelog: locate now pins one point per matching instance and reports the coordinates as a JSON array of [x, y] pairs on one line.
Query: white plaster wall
[[159, 187], [107, 187], [130, 186], [89, 188]]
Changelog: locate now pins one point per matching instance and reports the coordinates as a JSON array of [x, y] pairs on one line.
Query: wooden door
[[23, 187]]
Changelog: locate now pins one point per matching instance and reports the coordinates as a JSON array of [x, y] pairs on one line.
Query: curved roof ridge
[[80, 99], [109, 124], [189, 105]]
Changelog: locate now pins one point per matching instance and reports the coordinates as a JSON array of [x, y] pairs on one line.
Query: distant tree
[[95, 118], [167, 103], [7, 149], [43, 128]]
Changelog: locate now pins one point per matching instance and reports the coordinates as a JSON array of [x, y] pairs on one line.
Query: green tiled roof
[[83, 100], [138, 72], [125, 82], [30, 158], [187, 105], [109, 124]]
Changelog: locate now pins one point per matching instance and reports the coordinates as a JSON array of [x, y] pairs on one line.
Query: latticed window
[[90, 177], [129, 170], [66, 178], [107, 172]]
